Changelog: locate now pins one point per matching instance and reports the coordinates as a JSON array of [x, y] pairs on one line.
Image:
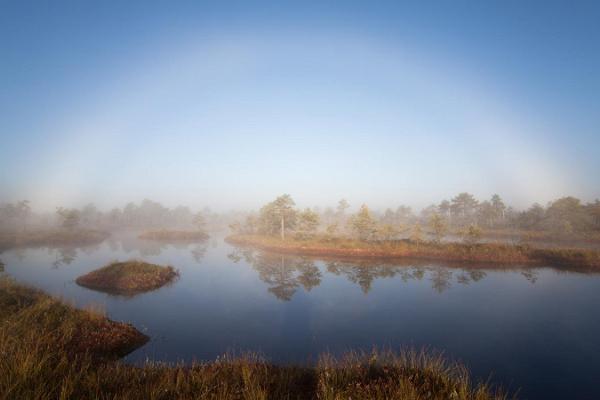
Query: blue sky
[[230, 104]]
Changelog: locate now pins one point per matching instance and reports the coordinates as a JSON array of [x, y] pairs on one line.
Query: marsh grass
[[41, 360], [169, 235], [52, 238], [128, 277], [483, 253]]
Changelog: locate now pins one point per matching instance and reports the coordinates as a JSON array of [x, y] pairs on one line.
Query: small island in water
[[129, 277]]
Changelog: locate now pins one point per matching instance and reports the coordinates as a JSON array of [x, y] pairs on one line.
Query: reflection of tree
[[64, 256], [198, 251], [310, 276], [470, 275], [530, 274], [1, 267], [283, 274], [286, 274], [440, 279], [363, 273]]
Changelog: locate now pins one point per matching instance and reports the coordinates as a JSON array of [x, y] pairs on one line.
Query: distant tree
[[389, 217], [363, 224], [444, 208], [438, 226], [593, 210], [417, 233], [471, 234], [532, 218], [499, 207], [89, 215], [278, 215], [23, 211], [404, 215], [486, 214], [69, 218], [199, 221], [342, 206], [386, 232], [332, 229], [307, 223], [428, 211], [567, 215], [463, 205]]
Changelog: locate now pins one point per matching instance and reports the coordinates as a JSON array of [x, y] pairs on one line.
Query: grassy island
[[129, 277], [51, 238], [168, 235], [452, 252], [53, 351]]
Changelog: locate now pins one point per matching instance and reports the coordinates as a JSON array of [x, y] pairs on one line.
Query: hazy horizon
[[209, 105]]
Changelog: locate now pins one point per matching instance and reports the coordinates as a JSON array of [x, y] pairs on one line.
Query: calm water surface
[[534, 329]]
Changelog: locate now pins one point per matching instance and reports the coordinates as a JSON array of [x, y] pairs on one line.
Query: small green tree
[[332, 229], [417, 233], [307, 223], [386, 232], [363, 224], [278, 215], [438, 226], [471, 234]]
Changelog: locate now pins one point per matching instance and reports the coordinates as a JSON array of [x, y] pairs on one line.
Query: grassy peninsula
[[425, 250], [53, 351], [129, 277]]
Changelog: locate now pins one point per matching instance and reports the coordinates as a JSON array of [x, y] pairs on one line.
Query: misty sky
[[229, 104]]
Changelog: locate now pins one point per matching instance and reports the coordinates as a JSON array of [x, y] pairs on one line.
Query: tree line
[[463, 214], [147, 214]]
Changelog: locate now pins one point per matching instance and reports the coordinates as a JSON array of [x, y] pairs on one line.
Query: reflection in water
[[285, 273], [64, 256], [154, 248], [198, 251], [530, 275]]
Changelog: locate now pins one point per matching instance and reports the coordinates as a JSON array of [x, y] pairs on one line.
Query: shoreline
[[483, 253]]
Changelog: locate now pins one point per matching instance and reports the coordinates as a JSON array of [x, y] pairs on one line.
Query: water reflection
[[64, 256], [285, 274], [154, 248]]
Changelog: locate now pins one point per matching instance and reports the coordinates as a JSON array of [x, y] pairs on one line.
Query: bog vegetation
[[129, 277]]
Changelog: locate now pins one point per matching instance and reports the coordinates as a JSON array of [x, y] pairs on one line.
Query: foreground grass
[[42, 359], [128, 277], [164, 234], [51, 238], [455, 252], [29, 314]]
